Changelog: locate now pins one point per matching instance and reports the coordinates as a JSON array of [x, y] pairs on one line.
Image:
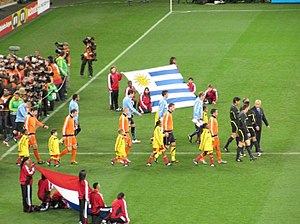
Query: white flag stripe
[[173, 86], [177, 105], [171, 96], [166, 77]]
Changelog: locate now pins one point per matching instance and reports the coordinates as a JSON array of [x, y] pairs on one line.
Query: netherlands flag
[[67, 185], [159, 79]]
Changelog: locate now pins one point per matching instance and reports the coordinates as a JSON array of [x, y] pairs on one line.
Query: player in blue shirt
[[128, 103]]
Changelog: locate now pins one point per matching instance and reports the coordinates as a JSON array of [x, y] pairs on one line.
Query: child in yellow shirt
[[23, 147], [53, 145], [120, 149]]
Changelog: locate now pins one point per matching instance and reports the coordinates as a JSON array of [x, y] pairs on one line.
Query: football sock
[[228, 142], [256, 146], [115, 159], [133, 133], [37, 155], [200, 157], [218, 152], [166, 159], [211, 158], [249, 151], [125, 161], [127, 150], [73, 155], [173, 153], [150, 159], [64, 152], [19, 160], [238, 151]]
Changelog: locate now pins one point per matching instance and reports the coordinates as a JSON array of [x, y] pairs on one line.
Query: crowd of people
[[32, 81], [21, 83], [90, 201]]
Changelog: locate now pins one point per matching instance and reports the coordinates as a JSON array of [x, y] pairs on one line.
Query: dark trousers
[[90, 64], [51, 107], [258, 136], [114, 98], [26, 197], [82, 208], [96, 219]]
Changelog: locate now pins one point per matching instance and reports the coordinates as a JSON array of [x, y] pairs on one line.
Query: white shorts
[[197, 122]]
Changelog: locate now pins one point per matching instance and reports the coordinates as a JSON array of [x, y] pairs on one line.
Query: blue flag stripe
[[169, 82], [175, 100], [158, 92], [164, 72]]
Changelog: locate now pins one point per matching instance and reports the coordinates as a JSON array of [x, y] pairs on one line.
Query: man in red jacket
[[119, 210], [113, 86], [99, 211], [26, 173]]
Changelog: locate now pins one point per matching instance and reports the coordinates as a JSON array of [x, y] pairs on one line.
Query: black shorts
[[242, 137], [171, 138], [19, 126], [234, 128], [251, 131], [131, 122]]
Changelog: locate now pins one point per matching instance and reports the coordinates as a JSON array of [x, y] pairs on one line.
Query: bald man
[[259, 117]]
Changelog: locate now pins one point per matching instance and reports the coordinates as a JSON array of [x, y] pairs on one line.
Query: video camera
[[93, 45], [60, 48]]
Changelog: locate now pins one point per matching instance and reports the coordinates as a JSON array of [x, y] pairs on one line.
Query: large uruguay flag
[[162, 78], [67, 185]]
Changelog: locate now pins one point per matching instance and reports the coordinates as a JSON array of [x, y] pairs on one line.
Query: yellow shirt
[[53, 145], [206, 140], [205, 118], [120, 146], [158, 138], [23, 147]]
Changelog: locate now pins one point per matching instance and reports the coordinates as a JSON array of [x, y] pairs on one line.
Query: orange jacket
[[168, 121], [69, 126], [213, 126], [31, 122], [124, 123]]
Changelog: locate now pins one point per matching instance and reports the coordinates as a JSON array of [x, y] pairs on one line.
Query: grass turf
[[245, 53]]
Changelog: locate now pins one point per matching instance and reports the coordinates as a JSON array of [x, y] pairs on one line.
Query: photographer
[[62, 66], [89, 55]]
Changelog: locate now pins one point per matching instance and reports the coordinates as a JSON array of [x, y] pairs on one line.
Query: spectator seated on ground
[[145, 105], [211, 95]]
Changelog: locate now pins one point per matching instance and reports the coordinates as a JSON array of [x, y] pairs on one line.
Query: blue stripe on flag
[[175, 100], [164, 72], [158, 92], [169, 82]]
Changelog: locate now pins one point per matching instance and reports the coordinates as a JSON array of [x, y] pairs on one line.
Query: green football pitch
[[245, 50]]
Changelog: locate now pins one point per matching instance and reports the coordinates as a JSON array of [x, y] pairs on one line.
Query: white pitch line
[[96, 76], [241, 10], [179, 153]]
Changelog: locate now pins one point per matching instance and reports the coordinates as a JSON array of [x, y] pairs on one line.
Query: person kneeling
[[99, 211], [119, 210]]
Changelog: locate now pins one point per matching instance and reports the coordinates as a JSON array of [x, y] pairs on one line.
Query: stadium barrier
[[23, 16]]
